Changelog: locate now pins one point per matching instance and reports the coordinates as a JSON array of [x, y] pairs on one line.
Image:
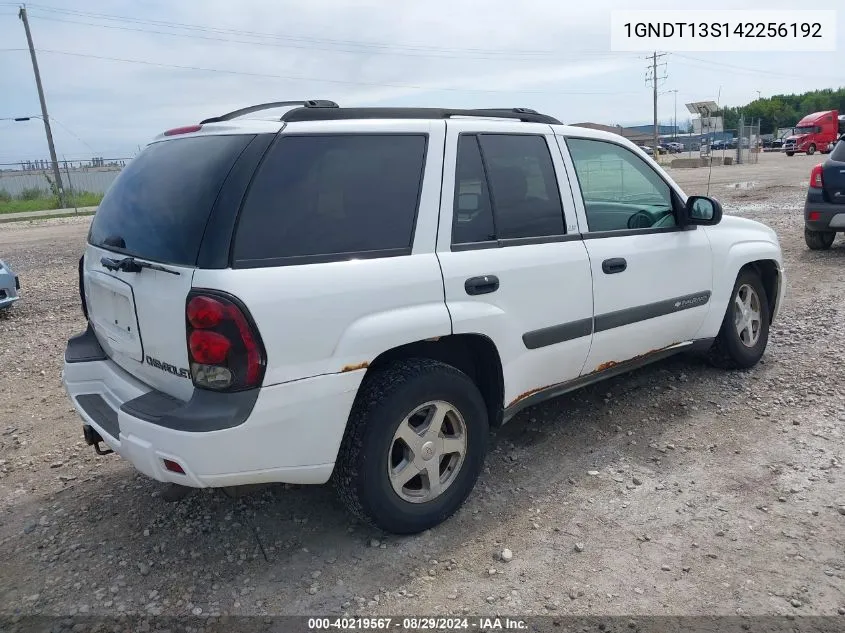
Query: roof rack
[[310, 113], [311, 103]]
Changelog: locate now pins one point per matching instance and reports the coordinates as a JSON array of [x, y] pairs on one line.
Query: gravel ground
[[675, 490]]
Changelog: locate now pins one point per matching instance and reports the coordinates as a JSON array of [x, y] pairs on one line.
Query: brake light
[[185, 129], [816, 177], [209, 348], [814, 216], [224, 347]]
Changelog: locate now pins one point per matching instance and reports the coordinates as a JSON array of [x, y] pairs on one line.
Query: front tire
[[811, 150], [744, 333], [414, 446], [818, 240], [790, 153]]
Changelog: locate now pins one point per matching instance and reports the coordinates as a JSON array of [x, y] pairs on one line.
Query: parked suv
[[824, 210], [360, 294]]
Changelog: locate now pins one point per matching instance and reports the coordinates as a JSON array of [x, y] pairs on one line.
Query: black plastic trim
[[545, 239], [100, 412], [558, 333], [311, 103], [514, 241], [220, 227], [553, 391], [319, 259], [336, 114], [595, 235], [636, 314], [826, 211], [84, 348], [205, 411]]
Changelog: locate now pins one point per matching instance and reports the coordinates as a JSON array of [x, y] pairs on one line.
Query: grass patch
[[40, 200], [10, 217]]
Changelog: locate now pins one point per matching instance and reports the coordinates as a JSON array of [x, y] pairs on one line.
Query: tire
[[369, 448], [811, 150], [790, 153], [818, 240], [730, 350]]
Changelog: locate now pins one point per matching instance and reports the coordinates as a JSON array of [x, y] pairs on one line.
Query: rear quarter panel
[[333, 317]]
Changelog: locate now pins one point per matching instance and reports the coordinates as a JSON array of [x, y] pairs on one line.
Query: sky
[[118, 72]]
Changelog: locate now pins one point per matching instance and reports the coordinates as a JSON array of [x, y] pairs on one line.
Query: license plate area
[[111, 310]]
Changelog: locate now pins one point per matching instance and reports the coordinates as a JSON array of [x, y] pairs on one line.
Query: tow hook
[[92, 438]]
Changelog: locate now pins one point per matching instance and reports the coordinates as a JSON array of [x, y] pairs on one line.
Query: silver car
[[9, 286]]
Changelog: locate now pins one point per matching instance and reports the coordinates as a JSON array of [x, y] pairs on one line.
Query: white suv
[[359, 294]]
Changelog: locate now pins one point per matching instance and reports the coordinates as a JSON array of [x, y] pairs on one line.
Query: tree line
[[784, 110]]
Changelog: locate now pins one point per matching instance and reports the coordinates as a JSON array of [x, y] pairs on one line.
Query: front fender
[[728, 261]]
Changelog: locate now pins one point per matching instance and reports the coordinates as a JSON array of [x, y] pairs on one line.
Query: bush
[[33, 193], [5, 196]]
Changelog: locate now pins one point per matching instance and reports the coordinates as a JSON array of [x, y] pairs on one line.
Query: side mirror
[[703, 210]]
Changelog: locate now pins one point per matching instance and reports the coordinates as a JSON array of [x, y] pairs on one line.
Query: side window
[[526, 200], [620, 190], [505, 188], [332, 197], [472, 215]]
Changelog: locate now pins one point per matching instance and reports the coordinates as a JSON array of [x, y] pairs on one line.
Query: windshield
[[159, 205], [807, 129]]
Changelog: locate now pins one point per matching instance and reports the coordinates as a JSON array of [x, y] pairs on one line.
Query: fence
[[749, 143], [26, 185]]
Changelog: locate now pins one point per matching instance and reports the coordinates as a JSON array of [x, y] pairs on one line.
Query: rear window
[[332, 197], [158, 206]]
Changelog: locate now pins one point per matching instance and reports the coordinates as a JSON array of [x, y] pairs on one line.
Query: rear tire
[[819, 240], [744, 333], [811, 150], [374, 452]]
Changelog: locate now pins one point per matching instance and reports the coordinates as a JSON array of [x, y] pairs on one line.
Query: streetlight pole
[[44, 116]]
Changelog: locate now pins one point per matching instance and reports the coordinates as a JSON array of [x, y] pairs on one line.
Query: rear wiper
[[131, 265]]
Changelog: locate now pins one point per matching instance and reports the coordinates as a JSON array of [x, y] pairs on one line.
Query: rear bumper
[[291, 433], [826, 216]]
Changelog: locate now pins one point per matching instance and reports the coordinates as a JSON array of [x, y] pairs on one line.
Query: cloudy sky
[[117, 72]]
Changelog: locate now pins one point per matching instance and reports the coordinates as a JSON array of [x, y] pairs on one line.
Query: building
[[632, 134]]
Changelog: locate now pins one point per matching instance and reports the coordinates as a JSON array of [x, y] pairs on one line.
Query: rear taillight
[[224, 347], [816, 177], [82, 286]]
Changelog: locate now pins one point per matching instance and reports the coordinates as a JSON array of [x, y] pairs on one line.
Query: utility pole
[[56, 173], [654, 78]]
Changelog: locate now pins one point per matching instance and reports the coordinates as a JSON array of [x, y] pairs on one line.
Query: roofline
[[334, 114]]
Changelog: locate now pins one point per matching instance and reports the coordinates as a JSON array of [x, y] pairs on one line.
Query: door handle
[[614, 265], [481, 285]]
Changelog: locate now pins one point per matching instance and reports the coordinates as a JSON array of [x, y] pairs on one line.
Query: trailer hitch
[[92, 438]]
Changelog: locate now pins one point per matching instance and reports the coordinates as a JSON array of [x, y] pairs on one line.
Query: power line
[[347, 48], [712, 65], [316, 79], [288, 38]]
